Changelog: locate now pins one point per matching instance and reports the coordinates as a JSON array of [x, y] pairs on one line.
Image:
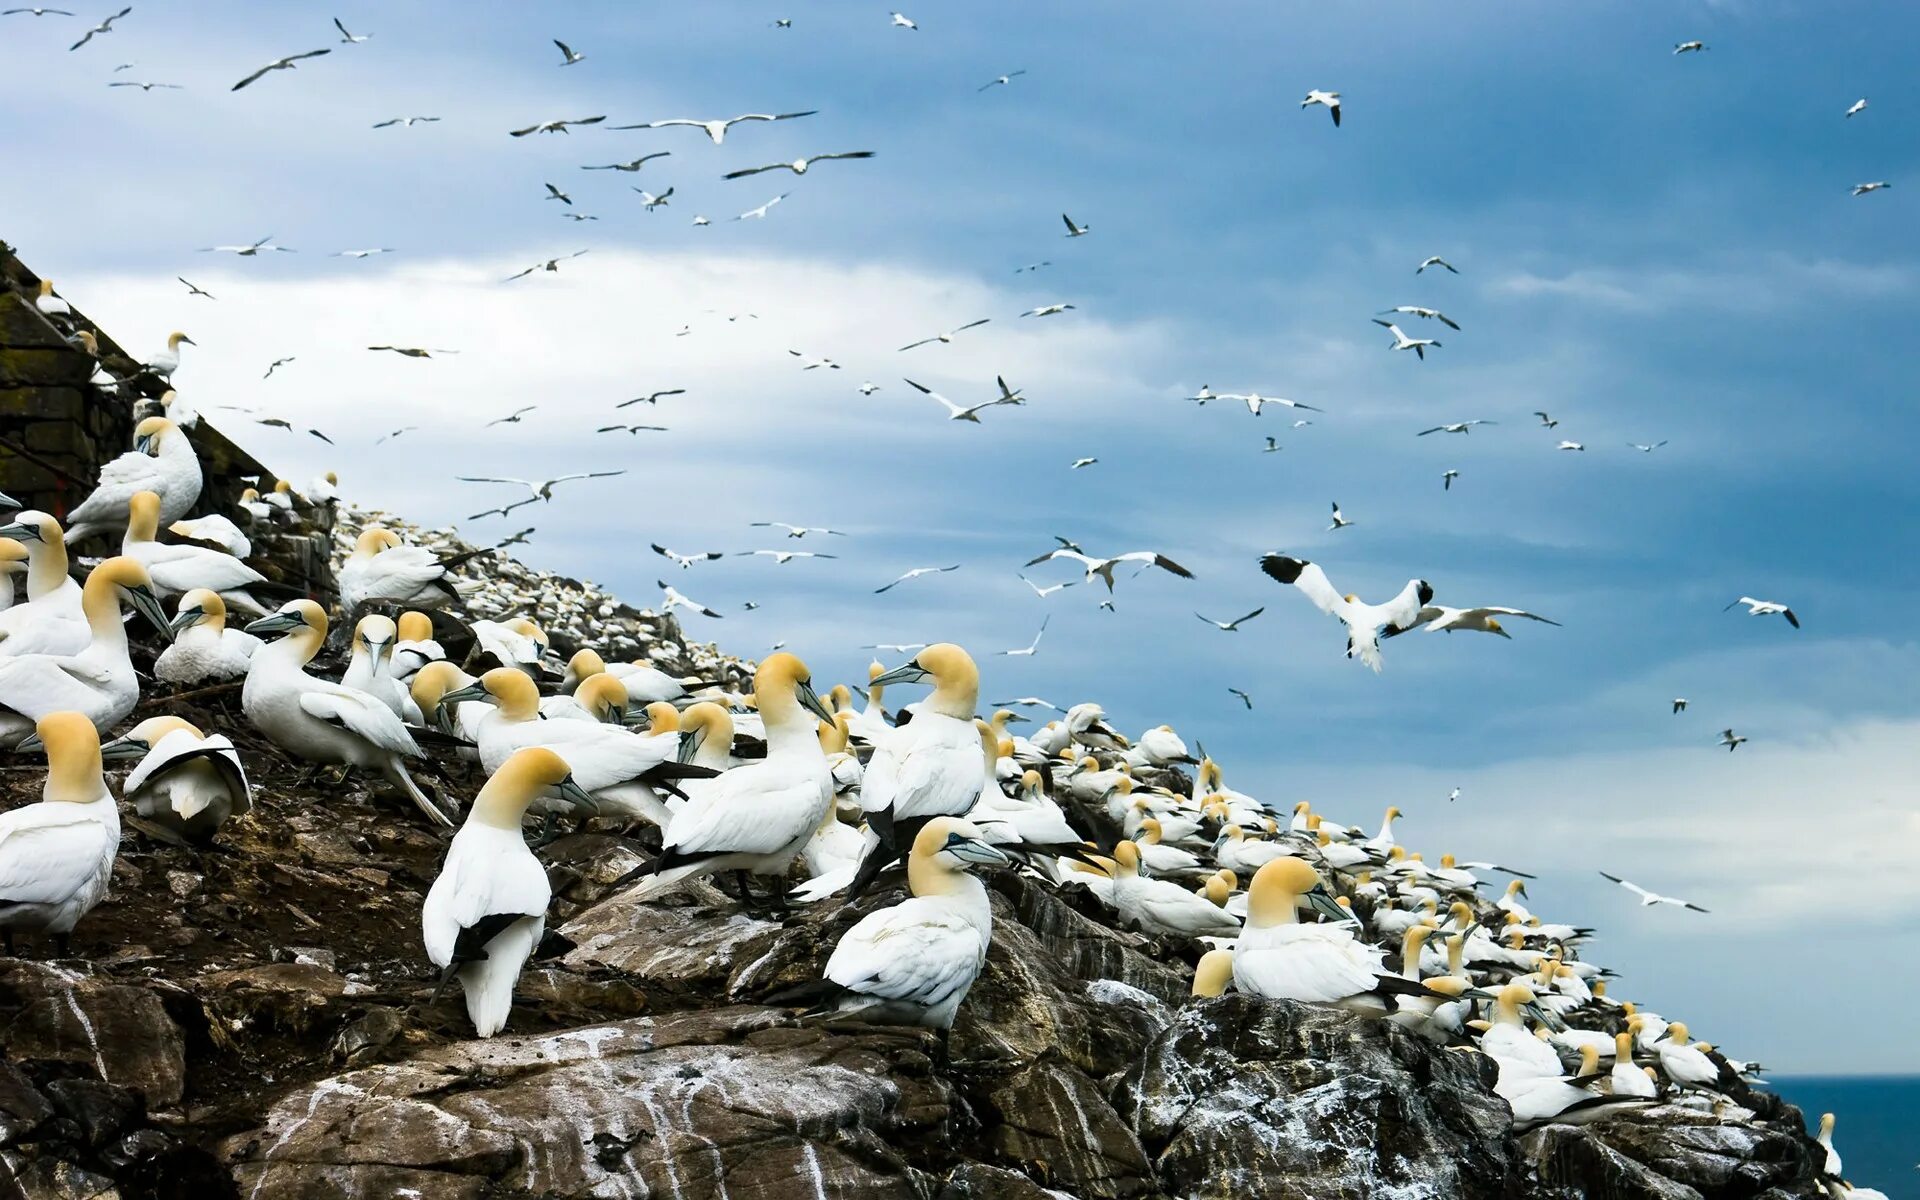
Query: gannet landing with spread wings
[[1364, 622]]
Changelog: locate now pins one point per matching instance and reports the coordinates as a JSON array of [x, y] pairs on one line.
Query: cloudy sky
[[1650, 248]]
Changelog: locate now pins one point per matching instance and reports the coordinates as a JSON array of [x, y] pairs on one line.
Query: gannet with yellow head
[[1279, 957], [56, 857], [1160, 907], [176, 568], [1212, 973], [162, 461], [186, 782], [50, 620], [52, 306], [165, 362], [384, 569], [99, 680], [930, 767], [214, 530], [414, 646], [369, 667]]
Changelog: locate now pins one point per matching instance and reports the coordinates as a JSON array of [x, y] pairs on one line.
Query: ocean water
[[1877, 1125]]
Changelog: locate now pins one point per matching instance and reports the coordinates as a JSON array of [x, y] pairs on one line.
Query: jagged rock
[[1669, 1152], [123, 1034], [22, 1107], [1055, 1125], [100, 1111], [367, 1037]]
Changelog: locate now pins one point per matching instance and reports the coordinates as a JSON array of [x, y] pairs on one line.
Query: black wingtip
[[1282, 568]]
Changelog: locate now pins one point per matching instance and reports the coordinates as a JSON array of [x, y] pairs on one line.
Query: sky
[[1650, 247]]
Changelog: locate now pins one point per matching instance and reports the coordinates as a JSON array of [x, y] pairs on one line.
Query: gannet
[[947, 337], [486, 910], [250, 250], [1031, 648], [649, 201], [1689, 47], [672, 599], [1682, 1062], [631, 165], [1434, 261], [1102, 568], [799, 165], [280, 64], [1833, 1164], [1438, 618], [687, 560], [717, 130], [1430, 314], [1402, 342], [383, 569], [430, 684], [927, 768], [1159, 747], [367, 667], [557, 125], [1330, 99], [1244, 698], [901, 22], [1278, 957], [1518, 1053], [186, 781], [1571, 446], [971, 413], [1212, 973], [105, 26], [1048, 310], [403, 122], [50, 305], [1561, 1099], [203, 647], [1073, 230], [601, 698], [1240, 853], [1232, 626], [1766, 608], [1862, 189], [794, 531], [1628, 1079], [1364, 622], [176, 569], [551, 265], [1160, 907], [13, 561], [1455, 427], [783, 557], [162, 461], [755, 818], [56, 857], [318, 721], [915, 573], [50, 620], [215, 530], [1731, 740], [1648, 898], [1339, 519], [516, 643], [98, 680]]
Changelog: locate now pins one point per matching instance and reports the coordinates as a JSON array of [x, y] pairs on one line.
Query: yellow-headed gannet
[[162, 461], [186, 782], [203, 647], [176, 568], [56, 857], [98, 680], [929, 767], [1160, 907], [50, 620], [1364, 622], [384, 569]]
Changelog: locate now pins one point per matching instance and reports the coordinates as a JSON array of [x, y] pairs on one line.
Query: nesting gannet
[[97, 680], [50, 620], [368, 669], [1626, 1078], [1765, 608], [717, 130], [799, 165], [50, 305], [280, 64], [105, 26], [203, 647], [515, 643], [1682, 1061], [162, 461], [186, 781], [1163, 908], [383, 569], [176, 569], [557, 125], [1434, 261], [318, 721], [1518, 1053], [486, 910], [600, 698], [1402, 342], [1330, 99], [929, 767], [1364, 622], [1028, 818], [1731, 740], [56, 857], [1102, 568]]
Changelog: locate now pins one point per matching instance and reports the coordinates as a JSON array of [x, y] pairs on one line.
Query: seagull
[[348, 39], [556, 126], [567, 56], [554, 193], [1232, 626], [59, 12], [1272, 447], [1689, 47], [247, 251], [105, 26], [686, 560], [1364, 622], [782, 557], [512, 418], [1446, 480], [1766, 608], [957, 413], [1044, 592], [195, 290], [902, 22], [542, 489], [799, 165], [1077, 463], [1571, 446], [279, 64], [551, 264], [652, 397], [759, 214], [1402, 342], [1435, 261], [814, 364], [1103, 567], [635, 165], [1339, 519], [1648, 898], [1858, 106], [1646, 449], [1004, 80], [1546, 422], [717, 130], [275, 365], [1330, 99], [1047, 310], [1431, 314], [405, 122], [413, 351], [1244, 698], [1456, 427], [946, 338], [672, 600], [795, 531], [145, 87], [1730, 740], [1032, 647], [913, 574], [1075, 230], [1861, 189], [649, 201], [631, 429], [1440, 618], [1679, 704]]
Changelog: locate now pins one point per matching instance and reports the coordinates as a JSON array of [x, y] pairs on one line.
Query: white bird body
[[186, 781], [1766, 608], [1158, 747], [1280, 958], [716, 130], [1648, 899], [1683, 1063], [171, 471], [1102, 568], [203, 647], [98, 680], [1330, 99], [1402, 342], [216, 529], [1163, 908], [1364, 622], [177, 568], [56, 857], [382, 569], [929, 767], [50, 620], [1438, 618]]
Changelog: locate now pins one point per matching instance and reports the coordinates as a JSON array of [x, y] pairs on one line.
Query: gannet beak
[[578, 796], [911, 672], [126, 747], [1664, 1033], [143, 444], [979, 853], [189, 341], [29, 744], [616, 714], [1540, 1014], [1321, 901], [188, 618], [1017, 719], [690, 740], [810, 700], [7, 501], [473, 691], [150, 608], [20, 531], [280, 622]]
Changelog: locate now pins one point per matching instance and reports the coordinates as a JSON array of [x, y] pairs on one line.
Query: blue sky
[[1650, 248]]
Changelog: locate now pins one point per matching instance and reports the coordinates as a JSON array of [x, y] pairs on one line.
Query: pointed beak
[[977, 853], [1320, 900], [189, 341], [19, 531], [616, 714], [187, 619], [810, 700], [578, 796], [911, 672], [7, 501], [149, 606], [280, 622], [30, 744], [689, 746], [473, 691], [143, 445], [1017, 719], [126, 747]]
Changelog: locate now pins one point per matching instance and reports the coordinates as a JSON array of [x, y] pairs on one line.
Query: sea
[[1877, 1125]]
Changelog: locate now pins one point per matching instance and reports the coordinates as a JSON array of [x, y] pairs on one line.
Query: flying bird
[[1047, 310], [634, 165], [1647, 898], [1010, 76], [1546, 422], [1861, 189], [1402, 342], [556, 126], [248, 251], [649, 201], [404, 122], [196, 290], [1032, 267], [1339, 519], [413, 351], [652, 397], [716, 131], [145, 87], [957, 413], [795, 531], [782, 557], [39, 12], [512, 418], [1364, 622], [814, 364], [1647, 449], [1330, 99], [280, 64], [1075, 230], [1456, 427], [901, 22], [542, 489], [1453, 795], [348, 39], [567, 56], [1679, 704], [554, 193], [1730, 740], [1765, 608], [1244, 698], [799, 165], [686, 560], [1857, 107], [367, 253], [1438, 618], [105, 26], [946, 338], [868, 388], [551, 264], [1689, 47], [1102, 568], [916, 573], [1232, 626], [503, 510], [1044, 592], [275, 365], [1077, 463], [1447, 478], [1435, 261], [631, 429], [672, 599], [387, 437], [1273, 446], [759, 214], [1031, 648], [1430, 314], [1255, 401]]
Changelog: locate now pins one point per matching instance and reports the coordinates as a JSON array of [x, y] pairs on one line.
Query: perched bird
[[1766, 608], [56, 857], [51, 619], [97, 680], [165, 362], [162, 461], [1161, 907], [280, 64], [927, 768], [1365, 622], [203, 648], [1434, 261], [1648, 898], [383, 569], [945, 338], [716, 131], [799, 165], [186, 782], [916, 573], [1402, 342], [1102, 568], [177, 568], [1731, 740], [1232, 626], [1330, 99]]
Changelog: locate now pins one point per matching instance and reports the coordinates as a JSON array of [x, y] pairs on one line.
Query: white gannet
[[515, 643], [1075, 230], [601, 698], [1455, 427], [186, 781], [1234, 625], [1766, 608], [56, 857], [794, 531], [1565, 445], [799, 165], [97, 680], [1429, 314], [755, 818], [1833, 1164], [430, 684], [203, 647], [50, 305], [1731, 740], [290, 62], [1438, 618], [1518, 1053], [945, 339], [162, 461], [1682, 1062], [971, 413], [1628, 1079], [1244, 855], [557, 125], [683, 561], [1163, 908], [1862, 189], [487, 909], [367, 670], [250, 250], [1279, 957], [318, 721], [165, 362], [1648, 898], [176, 569], [1030, 817], [672, 598], [915, 573], [414, 645], [1102, 568], [1364, 622], [929, 767], [1339, 518], [1434, 260], [1159, 747], [912, 963], [569, 57], [1330, 99], [384, 569], [13, 561], [1689, 47], [105, 26], [1402, 342], [899, 21], [1212, 973], [717, 130], [1559, 1099], [50, 620]]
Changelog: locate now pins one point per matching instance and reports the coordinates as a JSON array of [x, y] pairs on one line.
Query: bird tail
[[396, 770], [489, 982], [75, 534]]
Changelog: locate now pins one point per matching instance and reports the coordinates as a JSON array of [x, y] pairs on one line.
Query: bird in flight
[[1430, 314], [1730, 740], [795, 531], [1077, 463], [512, 418], [1402, 342], [1689, 47], [541, 489], [1571, 446], [387, 437], [105, 26], [758, 214], [1339, 519], [1047, 310], [946, 339], [551, 264], [631, 429], [248, 251], [1861, 189], [1546, 422], [554, 193], [367, 253], [686, 560], [1679, 704], [348, 39], [901, 22], [957, 413], [1273, 446], [1456, 427], [814, 364], [1453, 795], [1438, 618], [1447, 478], [1435, 261], [280, 64], [1857, 107], [649, 201], [634, 165], [782, 557], [1647, 898], [1032, 647], [1044, 592], [672, 599], [1330, 99], [1648, 449], [38, 12], [145, 87], [916, 573], [502, 511], [799, 165], [568, 57], [652, 397], [1075, 230], [1102, 568], [1364, 622], [1000, 81], [1244, 698], [196, 290], [716, 131], [413, 351], [404, 122], [556, 126], [1765, 608], [1232, 626], [275, 365], [1255, 401]]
